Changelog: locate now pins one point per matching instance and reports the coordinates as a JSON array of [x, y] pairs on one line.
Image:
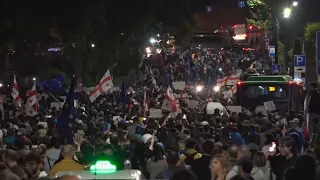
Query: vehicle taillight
[[250, 27], [239, 83], [290, 82]]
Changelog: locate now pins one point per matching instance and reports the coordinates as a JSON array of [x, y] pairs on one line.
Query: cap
[[146, 138], [294, 120], [246, 164]]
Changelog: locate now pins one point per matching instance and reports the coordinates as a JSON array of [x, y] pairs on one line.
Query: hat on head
[[146, 138], [294, 120]]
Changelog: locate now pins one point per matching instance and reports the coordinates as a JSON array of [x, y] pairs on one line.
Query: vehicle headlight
[[199, 88], [216, 88]]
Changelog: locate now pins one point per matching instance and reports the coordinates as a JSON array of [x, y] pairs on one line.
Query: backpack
[[189, 158], [296, 138]]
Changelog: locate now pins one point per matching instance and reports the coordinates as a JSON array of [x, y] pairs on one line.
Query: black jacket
[[168, 172], [314, 102], [279, 164], [201, 167]]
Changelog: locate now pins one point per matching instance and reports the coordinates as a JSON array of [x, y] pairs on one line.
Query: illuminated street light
[[295, 3], [1, 85], [34, 79], [148, 50], [152, 40], [158, 35], [286, 12], [92, 45]]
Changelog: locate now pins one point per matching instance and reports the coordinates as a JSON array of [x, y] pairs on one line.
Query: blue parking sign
[[276, 68], [299, 60]]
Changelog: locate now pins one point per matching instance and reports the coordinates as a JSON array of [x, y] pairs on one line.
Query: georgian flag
[[232, 80], [102, 87], [169, 102], [32, 105], [15, 92]]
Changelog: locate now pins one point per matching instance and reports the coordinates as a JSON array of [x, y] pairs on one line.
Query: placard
[[155, 113], [179, 85], [236, 109], [270, 106], [193, 104]]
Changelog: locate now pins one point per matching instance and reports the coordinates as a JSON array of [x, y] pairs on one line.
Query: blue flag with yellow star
[[67, 116]]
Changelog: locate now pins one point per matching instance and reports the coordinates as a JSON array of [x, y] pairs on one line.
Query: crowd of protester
[[191, 145]]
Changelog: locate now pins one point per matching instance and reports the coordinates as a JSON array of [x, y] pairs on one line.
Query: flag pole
[[55, 98]]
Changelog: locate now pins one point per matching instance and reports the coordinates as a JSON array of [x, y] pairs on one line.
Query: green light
[[103, 167]]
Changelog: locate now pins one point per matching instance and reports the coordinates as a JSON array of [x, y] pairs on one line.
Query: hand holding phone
[[272, 148]]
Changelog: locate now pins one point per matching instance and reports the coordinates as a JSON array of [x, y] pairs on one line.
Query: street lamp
[[34, 79], [1, 85], [152, 41], [287, 12], [295, 3], [92, 45]]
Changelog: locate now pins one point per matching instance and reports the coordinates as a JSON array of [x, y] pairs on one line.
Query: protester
[[172, 159], [67, 163], [219, 167], [151, 125], [287, 157]]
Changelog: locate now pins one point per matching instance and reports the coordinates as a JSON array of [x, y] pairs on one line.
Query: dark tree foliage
[[93, 36]]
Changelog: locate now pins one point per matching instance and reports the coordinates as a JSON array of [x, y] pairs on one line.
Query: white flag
[[15, 92], [169, 102], [104, 85]]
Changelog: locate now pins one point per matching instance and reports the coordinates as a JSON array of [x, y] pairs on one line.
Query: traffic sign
[[209, 8], [272, 51], [241, 4], [299, 60], [276, 68]]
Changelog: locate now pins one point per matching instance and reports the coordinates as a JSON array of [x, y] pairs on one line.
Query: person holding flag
[[15, 92], [68, 115], [32, 105]]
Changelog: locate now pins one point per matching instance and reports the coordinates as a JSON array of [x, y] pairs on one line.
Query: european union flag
[[67, 115], [52, 85], [123, 94]]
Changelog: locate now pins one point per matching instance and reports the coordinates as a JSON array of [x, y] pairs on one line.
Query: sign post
[[299, 65], [272, 52], [276, 68], [318, 55]]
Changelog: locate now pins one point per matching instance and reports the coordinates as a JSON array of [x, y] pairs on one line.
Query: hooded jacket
[[256, 173]]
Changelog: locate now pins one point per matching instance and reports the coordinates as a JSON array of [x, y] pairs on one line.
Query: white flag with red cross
[[15, 92], [104, 85], [169, 102], [32, 105]]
